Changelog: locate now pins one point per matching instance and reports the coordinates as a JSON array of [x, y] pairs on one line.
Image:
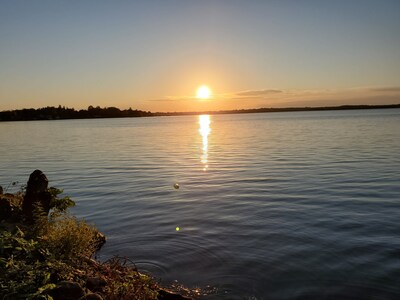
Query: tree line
[[62, 112]]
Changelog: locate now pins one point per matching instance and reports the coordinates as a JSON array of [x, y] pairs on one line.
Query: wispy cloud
[[386, 89], [172, 99], [258, 93], [295, 97], [162, 100]]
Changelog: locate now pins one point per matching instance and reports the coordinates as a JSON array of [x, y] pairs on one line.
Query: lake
[[299, 205]]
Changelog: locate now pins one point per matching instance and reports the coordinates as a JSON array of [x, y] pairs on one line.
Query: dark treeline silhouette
[[279, 109], [62, 112]]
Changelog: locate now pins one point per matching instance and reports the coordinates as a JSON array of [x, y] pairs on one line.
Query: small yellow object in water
[[176, 186], [177, 228]]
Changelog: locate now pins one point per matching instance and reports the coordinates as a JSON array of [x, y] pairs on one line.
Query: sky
[[153, 55]]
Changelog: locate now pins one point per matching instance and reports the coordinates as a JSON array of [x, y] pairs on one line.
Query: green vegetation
[[34, 260]]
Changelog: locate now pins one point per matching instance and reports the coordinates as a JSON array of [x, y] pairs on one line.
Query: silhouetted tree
[[61, 112]]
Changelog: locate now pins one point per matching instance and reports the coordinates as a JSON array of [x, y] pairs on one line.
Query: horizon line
[[66, 113]]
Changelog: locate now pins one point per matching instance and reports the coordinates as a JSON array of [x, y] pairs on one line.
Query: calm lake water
[[302, 205]]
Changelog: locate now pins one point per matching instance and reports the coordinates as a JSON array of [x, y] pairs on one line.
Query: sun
[[203, 92]]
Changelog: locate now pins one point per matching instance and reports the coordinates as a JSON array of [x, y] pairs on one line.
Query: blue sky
[[153, 55]]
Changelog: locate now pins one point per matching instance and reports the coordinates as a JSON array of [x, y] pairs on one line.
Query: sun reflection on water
[[205, 129]]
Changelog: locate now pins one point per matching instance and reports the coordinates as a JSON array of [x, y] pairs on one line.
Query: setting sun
[[203, 92]]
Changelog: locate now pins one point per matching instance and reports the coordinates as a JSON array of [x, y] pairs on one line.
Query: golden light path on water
[[205, 129]]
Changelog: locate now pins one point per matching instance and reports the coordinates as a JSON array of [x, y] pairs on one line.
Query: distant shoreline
[[282, 109], [63, 113]]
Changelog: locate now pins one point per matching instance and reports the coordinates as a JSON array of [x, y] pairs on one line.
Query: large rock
[[37, 198]]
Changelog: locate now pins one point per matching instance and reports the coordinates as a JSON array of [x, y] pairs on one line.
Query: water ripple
[[290, 206]]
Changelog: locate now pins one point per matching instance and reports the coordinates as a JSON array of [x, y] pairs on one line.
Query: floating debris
[[176, 186]]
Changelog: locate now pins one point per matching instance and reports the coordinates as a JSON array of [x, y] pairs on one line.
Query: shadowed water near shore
[[290, 205]]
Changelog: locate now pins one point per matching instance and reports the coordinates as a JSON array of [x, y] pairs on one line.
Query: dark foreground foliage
[[58, 248]]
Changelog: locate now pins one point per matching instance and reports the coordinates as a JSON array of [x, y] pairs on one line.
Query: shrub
[[69, 238], [58, 204]]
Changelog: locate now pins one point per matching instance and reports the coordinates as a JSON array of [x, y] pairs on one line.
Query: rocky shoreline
[[47, 254]]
